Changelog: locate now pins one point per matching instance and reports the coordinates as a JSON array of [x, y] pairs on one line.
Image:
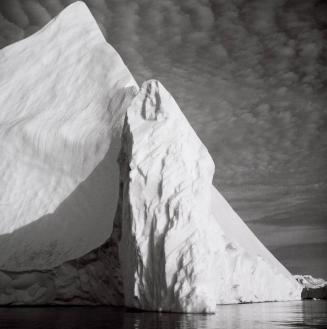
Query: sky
[[251, 77]]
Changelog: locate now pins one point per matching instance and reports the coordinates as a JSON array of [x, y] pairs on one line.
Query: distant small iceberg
[[313, 288]]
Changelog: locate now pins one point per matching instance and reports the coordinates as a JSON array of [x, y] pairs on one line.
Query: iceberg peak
[[76, 13], [180, 248]]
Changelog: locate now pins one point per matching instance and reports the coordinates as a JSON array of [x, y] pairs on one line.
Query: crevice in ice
[[151, 106]]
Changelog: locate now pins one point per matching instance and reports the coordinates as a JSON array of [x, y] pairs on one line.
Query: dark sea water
[[305, 314]]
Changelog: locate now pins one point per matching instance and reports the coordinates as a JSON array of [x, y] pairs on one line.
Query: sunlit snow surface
[[62, 93], [183, 248]]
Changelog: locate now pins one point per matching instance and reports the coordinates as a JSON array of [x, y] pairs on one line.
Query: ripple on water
[[300, 314]]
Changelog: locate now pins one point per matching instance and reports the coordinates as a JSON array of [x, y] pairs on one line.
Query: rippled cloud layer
[[251, 76]]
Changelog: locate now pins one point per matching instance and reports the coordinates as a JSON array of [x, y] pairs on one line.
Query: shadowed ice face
[[251, 78]]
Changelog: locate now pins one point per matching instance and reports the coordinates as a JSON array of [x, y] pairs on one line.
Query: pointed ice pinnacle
[[178, 249]]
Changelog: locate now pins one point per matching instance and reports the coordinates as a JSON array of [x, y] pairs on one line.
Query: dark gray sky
[[251, 76]]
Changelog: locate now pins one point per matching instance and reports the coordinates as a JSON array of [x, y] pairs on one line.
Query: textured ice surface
[[177, 245], [248, 271], [308, 281], [93, 279], [182, 246], [313, 288], [63, 92], [168, 243]]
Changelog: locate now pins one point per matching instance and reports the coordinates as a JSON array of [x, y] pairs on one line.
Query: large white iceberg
[[182, 246], [176, 245], [168, 246], [63, 95]]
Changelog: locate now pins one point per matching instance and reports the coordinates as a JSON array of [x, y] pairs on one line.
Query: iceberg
[[182, 247], [313, 288], [63, 96], [78, 227]]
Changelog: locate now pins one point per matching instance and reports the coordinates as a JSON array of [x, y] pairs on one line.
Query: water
[[302, 314]]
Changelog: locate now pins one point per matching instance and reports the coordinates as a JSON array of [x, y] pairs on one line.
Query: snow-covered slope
[[182, 246], [248, 272], [63, 93]]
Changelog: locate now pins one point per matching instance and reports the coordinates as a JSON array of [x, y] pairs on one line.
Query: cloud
[[14, 13], [9, 32], [249, 75], [276, 235]]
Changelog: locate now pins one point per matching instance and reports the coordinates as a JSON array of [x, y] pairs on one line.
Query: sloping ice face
[[175, 245], [63, 96], [182, 246]]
